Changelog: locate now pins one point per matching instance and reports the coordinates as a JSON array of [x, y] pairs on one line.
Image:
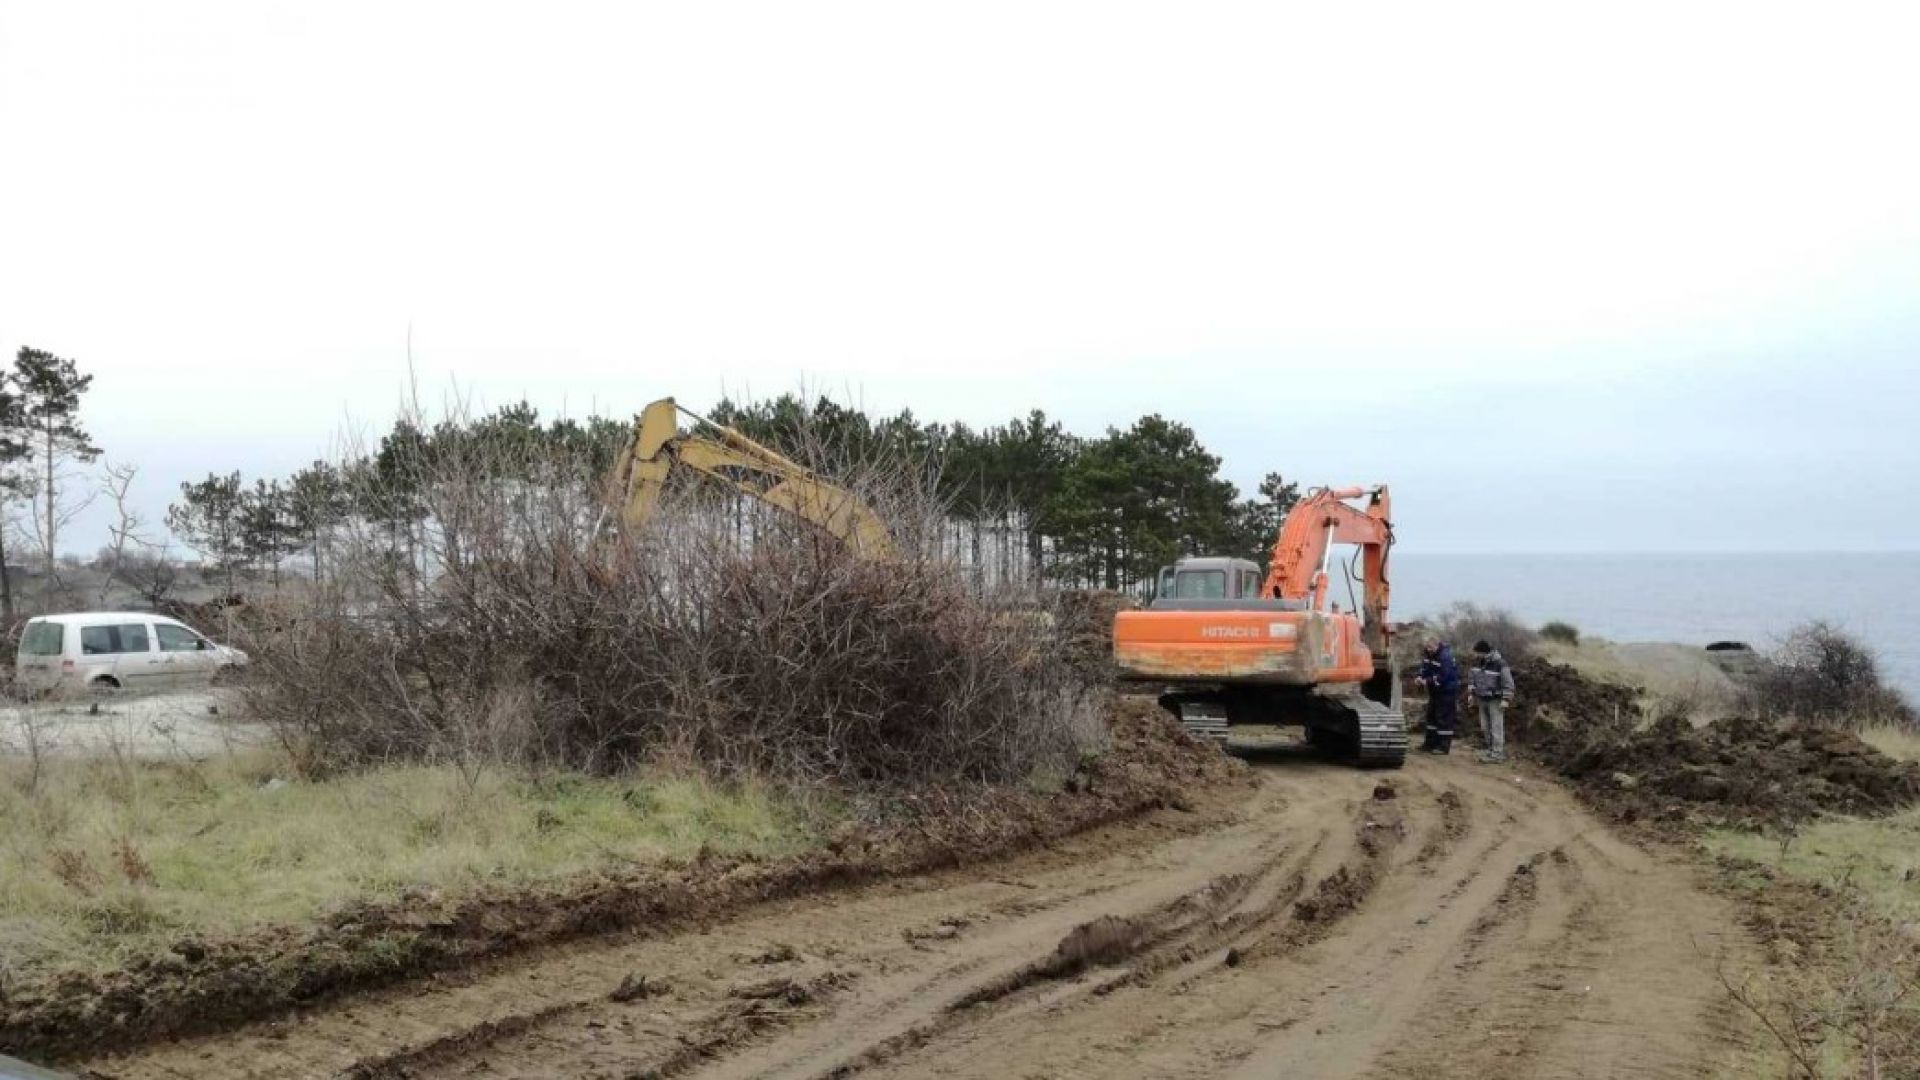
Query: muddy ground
[[176, 725], [1448, 920]]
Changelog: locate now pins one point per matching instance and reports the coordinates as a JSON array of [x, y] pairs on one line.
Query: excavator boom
[[731, 458], [1298, 570]]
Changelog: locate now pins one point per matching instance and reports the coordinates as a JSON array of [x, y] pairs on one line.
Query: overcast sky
[[1642, 277]]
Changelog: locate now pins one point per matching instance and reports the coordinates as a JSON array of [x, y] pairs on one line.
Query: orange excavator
[[1233, 647]]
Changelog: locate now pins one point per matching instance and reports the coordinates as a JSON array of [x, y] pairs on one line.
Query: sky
[[1621, 277]]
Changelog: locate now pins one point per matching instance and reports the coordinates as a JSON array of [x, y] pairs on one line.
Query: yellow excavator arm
[[729, 457]]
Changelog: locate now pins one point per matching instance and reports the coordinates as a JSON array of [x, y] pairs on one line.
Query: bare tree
[[124, 531], [151, 572]]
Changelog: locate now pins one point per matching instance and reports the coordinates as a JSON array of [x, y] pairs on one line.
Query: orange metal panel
[[1286, 647]]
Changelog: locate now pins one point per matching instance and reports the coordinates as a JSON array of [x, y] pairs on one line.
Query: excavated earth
[[1736, 770], [1299, 918]]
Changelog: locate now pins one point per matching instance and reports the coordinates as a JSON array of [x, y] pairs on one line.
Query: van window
[[176, 638], [106, 640], [42, 638]]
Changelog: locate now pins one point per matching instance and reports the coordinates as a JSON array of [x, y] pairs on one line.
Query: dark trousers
[[1443, 712]]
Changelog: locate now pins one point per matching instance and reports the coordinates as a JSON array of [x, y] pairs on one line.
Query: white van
[[118, 650]]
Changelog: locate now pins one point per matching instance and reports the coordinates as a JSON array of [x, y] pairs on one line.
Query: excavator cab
[[1208, 578]]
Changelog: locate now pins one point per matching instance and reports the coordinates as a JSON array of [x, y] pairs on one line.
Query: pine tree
[[16, 482], [208, 518], [50, 388]]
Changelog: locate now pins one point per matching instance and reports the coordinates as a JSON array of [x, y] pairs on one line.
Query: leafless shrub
[[1848, 1014], [1823, 675], [1464, 624], [487, 608]]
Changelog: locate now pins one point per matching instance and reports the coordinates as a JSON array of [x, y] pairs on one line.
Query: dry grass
[[1893, 740], [105, 859], [1676, 678]]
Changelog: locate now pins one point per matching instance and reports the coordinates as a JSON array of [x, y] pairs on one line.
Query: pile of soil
[[1736, 770], [1744, 771], [1553, 697], [205, 984]]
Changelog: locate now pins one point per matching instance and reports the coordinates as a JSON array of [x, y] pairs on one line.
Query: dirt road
[[1468, 926]]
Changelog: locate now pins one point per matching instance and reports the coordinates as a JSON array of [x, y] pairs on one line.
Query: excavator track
[[1348, 724], [1382, 733]]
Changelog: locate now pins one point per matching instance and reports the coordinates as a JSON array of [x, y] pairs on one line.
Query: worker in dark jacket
[[1492, 684], [1441, 678]]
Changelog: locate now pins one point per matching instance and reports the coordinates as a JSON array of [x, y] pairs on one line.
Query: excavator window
[[1200, 585]]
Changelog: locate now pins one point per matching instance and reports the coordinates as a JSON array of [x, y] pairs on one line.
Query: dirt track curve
[[1470, 926]]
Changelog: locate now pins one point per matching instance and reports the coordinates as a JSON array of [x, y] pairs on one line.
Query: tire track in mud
[[1102, 955], [1471, 922]]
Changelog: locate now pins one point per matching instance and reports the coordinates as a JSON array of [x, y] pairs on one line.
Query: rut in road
[[1469, 926]]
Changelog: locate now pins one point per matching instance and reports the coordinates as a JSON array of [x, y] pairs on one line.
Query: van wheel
[[105, 684]]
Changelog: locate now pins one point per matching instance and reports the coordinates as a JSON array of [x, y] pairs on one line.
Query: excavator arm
[[732, 459], [1301, 553]]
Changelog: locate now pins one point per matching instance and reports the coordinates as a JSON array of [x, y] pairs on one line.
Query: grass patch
[[104, 859], [1874, 855], [1675, 677], [1893, 740]]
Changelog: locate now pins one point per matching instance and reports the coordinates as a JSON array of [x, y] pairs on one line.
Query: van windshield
[[1200, 585], [41, 639]]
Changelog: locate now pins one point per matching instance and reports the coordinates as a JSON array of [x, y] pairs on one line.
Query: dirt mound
[[1748, 771], [1555, 696], [1736, 770], [208, 985], [1102, 941]]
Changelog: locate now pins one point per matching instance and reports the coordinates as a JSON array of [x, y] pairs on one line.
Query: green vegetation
[[1105, 511], [1563, 632], [105, 859], [40, 441]]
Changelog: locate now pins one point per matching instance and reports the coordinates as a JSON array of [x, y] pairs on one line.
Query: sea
[[1692, 599]]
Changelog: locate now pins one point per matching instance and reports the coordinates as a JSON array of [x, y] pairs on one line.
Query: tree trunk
[[50, 519], [6, 579]]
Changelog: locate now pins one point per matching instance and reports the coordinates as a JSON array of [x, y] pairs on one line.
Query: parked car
[[118, 650]]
